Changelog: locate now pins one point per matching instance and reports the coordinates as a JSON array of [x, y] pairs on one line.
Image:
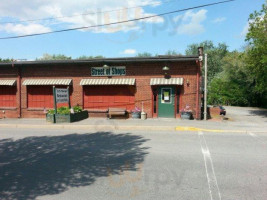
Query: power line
[[114, 23], [84, 14]]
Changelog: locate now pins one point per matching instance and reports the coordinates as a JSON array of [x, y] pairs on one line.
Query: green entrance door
[[166, 95]]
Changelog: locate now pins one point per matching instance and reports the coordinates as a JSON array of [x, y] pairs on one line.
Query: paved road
[[73, 164]]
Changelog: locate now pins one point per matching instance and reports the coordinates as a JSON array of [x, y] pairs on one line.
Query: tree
[[172, 53], [231, 85], [215, 56], [47, 56], [144, 54], [89, 57], [5, 60], [256, 54]]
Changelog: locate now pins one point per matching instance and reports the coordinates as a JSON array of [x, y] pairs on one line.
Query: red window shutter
[[8, 96], [103, 97]]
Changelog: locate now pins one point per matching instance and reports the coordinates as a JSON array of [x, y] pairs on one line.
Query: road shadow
[[37, 166], [262, 113]]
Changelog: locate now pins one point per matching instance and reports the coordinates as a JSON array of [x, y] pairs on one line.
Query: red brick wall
[[142, 72], [10, 73]]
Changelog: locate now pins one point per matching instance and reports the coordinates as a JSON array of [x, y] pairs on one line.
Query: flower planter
[[136, 115], [186, 115], [67, 118], [50, 118]]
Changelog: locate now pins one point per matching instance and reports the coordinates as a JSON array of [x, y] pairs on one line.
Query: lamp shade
[[105, 66], [165, 68]]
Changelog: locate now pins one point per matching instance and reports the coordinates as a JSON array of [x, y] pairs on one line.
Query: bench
[[116, 112]]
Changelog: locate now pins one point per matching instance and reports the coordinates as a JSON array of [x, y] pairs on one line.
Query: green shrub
[[51, 112], [77, 109], [63, 110]]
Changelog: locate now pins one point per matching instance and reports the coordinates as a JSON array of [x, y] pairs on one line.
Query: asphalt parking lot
[[80, 164]]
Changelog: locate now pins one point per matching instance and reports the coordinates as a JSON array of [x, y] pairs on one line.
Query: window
[[104, 97], [166, 95], [178, 101], [8, 96], [42, 96], [155, 101]]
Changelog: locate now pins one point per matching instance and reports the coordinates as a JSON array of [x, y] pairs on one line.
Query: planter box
[[186, 115], [50, 118], [136, 115], [68, 118]]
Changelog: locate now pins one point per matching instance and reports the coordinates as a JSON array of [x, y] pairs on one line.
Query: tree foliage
[[231, 86], [89, 57], [215, 55], [172, 53], [256, 54], [144, 54], [47, 56], [6, 60]]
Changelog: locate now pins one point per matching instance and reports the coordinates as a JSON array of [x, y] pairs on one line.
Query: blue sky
[[220, 23]]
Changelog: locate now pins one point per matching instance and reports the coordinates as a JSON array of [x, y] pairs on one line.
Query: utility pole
[[205, 87]]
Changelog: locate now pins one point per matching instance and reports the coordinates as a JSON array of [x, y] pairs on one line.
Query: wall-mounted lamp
[[106, 67], [187, 82], [165, 68]]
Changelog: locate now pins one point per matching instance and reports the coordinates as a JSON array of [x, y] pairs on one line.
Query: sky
[[223, 23]]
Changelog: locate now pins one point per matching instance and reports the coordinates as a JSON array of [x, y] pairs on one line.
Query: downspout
[[199, 65], [19, 90]]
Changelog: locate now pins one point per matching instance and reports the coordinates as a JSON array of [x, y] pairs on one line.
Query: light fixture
[[105, 66], [165, 68], [187, 82]]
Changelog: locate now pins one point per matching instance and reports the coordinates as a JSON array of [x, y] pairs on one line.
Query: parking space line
[[252, 134], [214, 190], [258, 139]]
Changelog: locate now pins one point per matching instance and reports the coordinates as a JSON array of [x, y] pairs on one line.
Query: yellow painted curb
[[184, 128]]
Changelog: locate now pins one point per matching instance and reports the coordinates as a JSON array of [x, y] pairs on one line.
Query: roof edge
[[106, 60]]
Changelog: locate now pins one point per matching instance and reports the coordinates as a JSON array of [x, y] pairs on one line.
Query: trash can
[[143, 116]]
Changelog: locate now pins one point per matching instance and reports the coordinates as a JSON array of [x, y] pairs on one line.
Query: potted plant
[[136, 113], [186, 113], [66, 115]]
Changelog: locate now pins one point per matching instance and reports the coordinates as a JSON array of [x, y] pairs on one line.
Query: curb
[[122, 128], [90, 127]]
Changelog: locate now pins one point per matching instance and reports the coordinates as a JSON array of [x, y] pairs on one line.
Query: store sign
[[111, 71], [62, 95]]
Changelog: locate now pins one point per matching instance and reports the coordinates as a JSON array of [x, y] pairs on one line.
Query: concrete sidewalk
[[132, 124]]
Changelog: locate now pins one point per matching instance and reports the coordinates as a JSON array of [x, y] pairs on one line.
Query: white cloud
[[28, 9], [21, 29], [191, 23], [218, 20], [129, 51], [246, 27], [245, 30]]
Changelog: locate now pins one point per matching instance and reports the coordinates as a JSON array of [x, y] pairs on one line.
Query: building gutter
[[19, 90], [105, 61]]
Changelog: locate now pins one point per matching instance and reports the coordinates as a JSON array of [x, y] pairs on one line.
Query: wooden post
[[55, 101], [69, 95]]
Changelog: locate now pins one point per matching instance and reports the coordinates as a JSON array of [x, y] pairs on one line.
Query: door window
[[166, 95]]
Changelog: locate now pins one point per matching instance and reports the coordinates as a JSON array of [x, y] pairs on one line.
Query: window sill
[[8, 108], [97, 110], [35, 109]]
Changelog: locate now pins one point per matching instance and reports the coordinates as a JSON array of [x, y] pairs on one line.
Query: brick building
[[165, 85]]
